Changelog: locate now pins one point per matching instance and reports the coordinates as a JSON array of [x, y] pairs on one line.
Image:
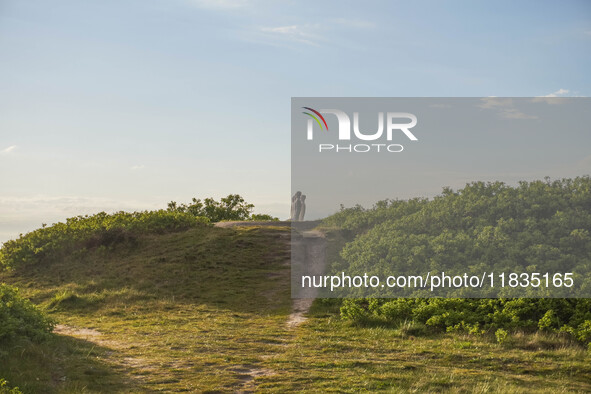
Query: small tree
[[232, 207]]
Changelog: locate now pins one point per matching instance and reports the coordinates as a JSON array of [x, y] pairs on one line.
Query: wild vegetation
[[20, 318], [232, 207], [80, 233], [6, 389], [206, 309], [174, 304], [20, 321], [539, 226]]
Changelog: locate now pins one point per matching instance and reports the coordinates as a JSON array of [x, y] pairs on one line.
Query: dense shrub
[[358, 219], [20, 318], [477, 315], [232, 207], [484, 227], [539, 226], [101, 229], [6, 389]]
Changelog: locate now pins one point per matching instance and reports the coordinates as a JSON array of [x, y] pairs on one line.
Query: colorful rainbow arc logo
[[315, 118]]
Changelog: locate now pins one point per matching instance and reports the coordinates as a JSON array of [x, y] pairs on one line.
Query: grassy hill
[[205, 309], [186, 310]]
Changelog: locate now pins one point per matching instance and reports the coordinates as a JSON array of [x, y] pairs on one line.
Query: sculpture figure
[[303, 208], [295, 206]]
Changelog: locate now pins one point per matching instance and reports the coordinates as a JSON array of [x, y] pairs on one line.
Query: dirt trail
[[309, 251], [247, 375], [138, 365]]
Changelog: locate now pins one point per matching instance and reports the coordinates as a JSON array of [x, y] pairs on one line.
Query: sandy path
[[138, 365], [309, 251]]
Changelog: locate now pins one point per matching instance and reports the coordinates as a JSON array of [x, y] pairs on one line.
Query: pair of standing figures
[[298, 207]]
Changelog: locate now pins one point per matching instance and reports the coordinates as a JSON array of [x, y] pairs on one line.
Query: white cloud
[[295, 33], [495, 102], [9, 149], [558, 93], [313, 34], [16, 206], [137, 167], [554, 97], [505, 108]]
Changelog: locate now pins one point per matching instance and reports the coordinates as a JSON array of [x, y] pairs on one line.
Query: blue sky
[[109, 105]]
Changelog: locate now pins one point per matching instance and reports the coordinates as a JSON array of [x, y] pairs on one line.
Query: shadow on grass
[[62, 364]]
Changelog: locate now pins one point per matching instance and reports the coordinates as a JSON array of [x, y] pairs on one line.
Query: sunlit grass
[[205, 310]]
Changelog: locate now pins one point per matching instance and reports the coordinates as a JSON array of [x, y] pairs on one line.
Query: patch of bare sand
[[247, 374], [299, 308], [313, 245], [138, 365]]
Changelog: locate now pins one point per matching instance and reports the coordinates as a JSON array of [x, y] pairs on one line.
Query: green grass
[[339, 356], [206, 310]]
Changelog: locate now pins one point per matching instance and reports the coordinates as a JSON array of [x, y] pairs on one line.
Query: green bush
[[501, 335], [485, 227], [232, 207], [93, 231], [539, 226], [476, 315], [20, 318], [5, 389]]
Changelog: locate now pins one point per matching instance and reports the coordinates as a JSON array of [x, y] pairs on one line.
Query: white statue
[[303, 208], [295, 207]]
